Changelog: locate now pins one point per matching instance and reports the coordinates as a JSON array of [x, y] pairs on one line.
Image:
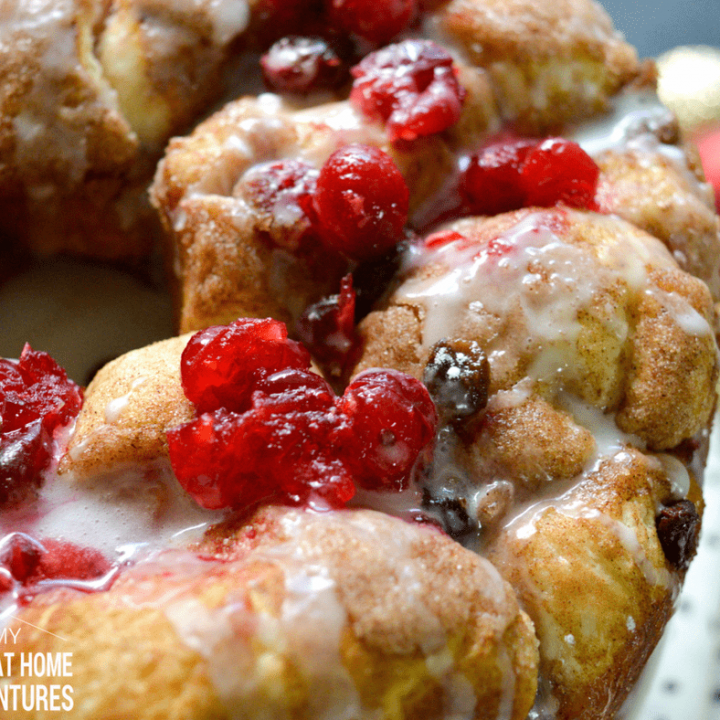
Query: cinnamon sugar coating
[[305, 613], [129, 406], [225, 263], [583, 395], [591, 573], [548, 63], [89, 93], [677, 207], [634, 336]]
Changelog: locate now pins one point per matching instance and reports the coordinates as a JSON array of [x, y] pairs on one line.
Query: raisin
[[457, 376], [452, 513], [678, 528]]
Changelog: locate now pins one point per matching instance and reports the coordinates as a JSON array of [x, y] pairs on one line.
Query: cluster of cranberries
[[36, 398], [510, 174], [321, 59], [412, 86], [270, 429], [357, 204], [25, 563]]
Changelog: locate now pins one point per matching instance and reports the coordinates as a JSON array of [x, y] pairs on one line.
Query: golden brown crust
[[405, 630], [629, 359], [661, 355], [226, 262], [650, 191], [89, 93], [128, 408], [671, 372], [591, 573], [549, 63], [539, 442], [120, 657]]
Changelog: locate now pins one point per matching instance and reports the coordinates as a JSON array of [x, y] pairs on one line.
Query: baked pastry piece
[[223, 261], [90, 91], [584, 437], [299, 615]]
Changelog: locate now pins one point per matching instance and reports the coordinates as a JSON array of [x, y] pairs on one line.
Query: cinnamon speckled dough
[[225, 263], [649, 190], [128, 408], [591, 573], [541, 443], [304, 614], [89, 93], [549, 63], [601, 350], [583, 304]]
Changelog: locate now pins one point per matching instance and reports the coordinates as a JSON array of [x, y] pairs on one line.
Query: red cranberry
[[510, 174], [11, 379], [21, 555], [225, 459], [328, 327], [277, 192], [37, 387], [393, 423], [376, 22], [560, 171], [24, 454], [361, 203], [63, 560], [302, 64], [293, 440], [204, 460], [36, 397], [412, 86], [492, 183], [294, 390], [221, 365]]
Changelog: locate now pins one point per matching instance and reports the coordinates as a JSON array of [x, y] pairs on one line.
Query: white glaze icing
[[115, 407], [633, 124], [136, 508]]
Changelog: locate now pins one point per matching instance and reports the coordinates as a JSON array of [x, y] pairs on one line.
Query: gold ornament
[[689, 84]]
